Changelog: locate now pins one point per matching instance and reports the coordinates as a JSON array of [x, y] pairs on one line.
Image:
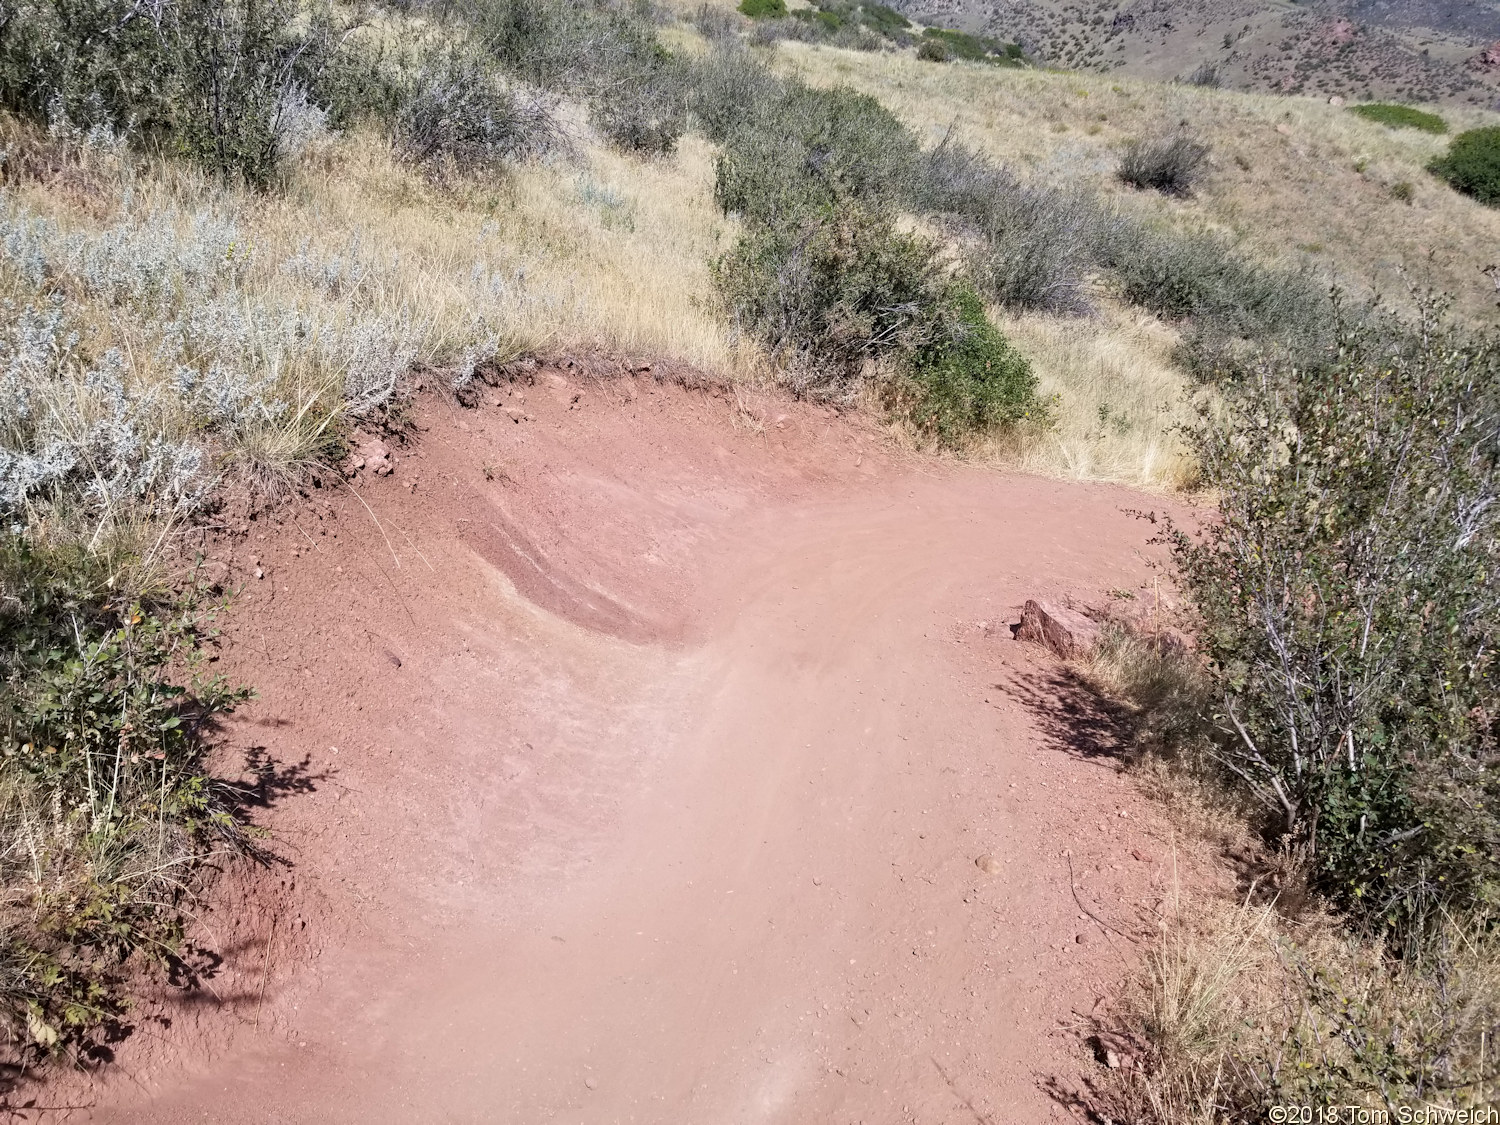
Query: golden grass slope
[[1290, 176]]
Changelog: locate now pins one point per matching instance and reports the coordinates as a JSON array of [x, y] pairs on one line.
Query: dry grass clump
[[1116, 397], [1236, 1008]]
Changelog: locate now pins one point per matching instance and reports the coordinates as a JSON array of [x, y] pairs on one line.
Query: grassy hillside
[[1291, 180], [1288, 177]]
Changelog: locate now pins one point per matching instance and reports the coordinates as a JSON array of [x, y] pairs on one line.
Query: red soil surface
[[633, 761]]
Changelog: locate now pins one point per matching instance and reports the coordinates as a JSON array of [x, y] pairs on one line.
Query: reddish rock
[[1065, 631]]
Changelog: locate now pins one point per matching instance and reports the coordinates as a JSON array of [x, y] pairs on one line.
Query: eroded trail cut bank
[[642, 746]]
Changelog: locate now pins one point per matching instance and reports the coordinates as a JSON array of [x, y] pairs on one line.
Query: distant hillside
[[1408, 50]]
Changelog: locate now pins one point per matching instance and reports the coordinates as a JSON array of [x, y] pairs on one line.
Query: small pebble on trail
[[988, 864]]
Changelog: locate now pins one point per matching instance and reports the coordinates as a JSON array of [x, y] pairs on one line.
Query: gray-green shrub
[[728, 88], [200, 78], [459, 114], [1028, 246], [1223, 296], [1171, 165]]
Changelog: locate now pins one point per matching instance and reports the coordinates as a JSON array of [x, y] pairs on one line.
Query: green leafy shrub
[[830, 291], [844, 298], [103, 788], [885, 20], [1350, 597], [968, 379], [1170, 165], [934, 50], [763, 9], [1472, 165], [1401, 117], [809, 148], [828, 22], [941, 44]]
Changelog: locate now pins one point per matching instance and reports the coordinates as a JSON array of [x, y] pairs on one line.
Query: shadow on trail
[[1072, 717]]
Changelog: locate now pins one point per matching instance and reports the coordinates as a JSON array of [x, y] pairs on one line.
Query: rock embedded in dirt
[[375, 455], [1065, 631], [988, 864]]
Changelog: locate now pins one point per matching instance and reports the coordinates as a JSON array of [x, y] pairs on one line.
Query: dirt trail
[[634, 758]]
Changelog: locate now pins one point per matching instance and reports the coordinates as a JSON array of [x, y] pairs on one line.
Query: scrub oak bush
[[847, 298], [967, 379], [943, 45], [808, 149], [1350, 598], [830, 292], [1472, 165]]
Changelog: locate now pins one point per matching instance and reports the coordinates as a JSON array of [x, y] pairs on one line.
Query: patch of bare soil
[[641, 754]]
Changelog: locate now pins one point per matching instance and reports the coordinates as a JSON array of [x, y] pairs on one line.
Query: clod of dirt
[[988, 864], [372, 454]]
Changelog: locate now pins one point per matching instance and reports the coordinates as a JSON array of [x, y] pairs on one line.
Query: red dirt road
[[645, 782]]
